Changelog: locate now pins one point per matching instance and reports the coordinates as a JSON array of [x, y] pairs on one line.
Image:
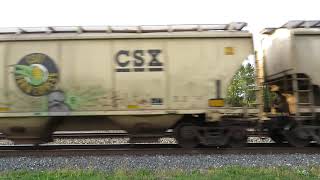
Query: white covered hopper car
[[292, 61], [292, 65], [143, 79]]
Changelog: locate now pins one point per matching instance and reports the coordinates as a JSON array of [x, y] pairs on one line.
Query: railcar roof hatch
[[234, 26], [294, 24]]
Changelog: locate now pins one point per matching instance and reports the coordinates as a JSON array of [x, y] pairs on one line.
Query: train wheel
[[297, 138], [238, 137], [186, 135], [276, 136]]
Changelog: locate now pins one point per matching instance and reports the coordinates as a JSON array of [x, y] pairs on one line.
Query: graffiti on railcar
[[36, 74], [90, 98]]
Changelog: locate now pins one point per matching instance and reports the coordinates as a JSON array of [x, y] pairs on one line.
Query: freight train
[[150, 79]]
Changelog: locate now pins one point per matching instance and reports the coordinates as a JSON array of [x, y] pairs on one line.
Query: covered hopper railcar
[[144, 80], [292, 70]]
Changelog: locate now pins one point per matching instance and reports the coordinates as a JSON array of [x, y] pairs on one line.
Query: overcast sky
[[259, 14]]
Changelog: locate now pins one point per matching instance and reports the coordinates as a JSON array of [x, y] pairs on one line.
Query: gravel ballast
[[165, 140], [156, 162]]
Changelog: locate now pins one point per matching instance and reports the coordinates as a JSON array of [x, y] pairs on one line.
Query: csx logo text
[[137, 60]]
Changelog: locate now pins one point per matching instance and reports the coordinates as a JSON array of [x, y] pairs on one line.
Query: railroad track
[[139, 149], [104, 134], [147, 149], [91, 134]]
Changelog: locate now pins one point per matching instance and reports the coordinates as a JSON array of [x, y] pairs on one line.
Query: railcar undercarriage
[[190, 131], [234, 133]]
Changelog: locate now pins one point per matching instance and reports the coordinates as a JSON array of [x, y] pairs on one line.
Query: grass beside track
[[214, 173]]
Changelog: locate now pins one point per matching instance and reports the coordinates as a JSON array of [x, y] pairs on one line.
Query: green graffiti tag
[[33, 74], [36, 74], [79, 99]]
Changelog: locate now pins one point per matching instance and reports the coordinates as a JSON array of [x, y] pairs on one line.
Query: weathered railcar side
[[140, 82], [292, 67]]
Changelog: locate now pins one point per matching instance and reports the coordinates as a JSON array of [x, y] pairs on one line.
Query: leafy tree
[[241, 90]]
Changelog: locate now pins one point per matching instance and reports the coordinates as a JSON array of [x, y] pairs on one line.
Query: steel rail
[[92, 135], [88, 134], [148, 149]]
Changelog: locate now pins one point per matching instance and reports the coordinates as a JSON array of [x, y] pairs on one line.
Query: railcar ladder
[[296, 81]]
